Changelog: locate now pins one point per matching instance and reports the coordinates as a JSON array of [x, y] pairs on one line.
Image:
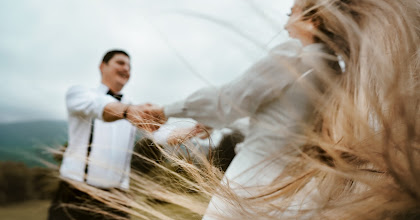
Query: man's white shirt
[[112, 142]]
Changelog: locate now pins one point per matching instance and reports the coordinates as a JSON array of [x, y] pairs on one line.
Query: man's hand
[[203, 131], [183, 134], [155, 113], [146, 116]]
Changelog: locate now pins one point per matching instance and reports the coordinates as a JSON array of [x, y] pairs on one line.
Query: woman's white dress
[[274, 94]]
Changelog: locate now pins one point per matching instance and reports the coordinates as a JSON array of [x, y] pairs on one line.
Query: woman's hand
[[146, 116], [183, 134]]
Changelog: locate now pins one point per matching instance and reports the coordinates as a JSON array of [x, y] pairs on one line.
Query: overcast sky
[[176, 47]]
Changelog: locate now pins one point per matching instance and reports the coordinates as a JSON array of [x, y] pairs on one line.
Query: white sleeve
[[86, 102], [161, 136], [218, 107]]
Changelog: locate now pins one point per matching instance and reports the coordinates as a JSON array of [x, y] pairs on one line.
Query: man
[[102, 127]]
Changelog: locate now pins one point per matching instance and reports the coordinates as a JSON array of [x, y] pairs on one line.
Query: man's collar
[[104, 89]]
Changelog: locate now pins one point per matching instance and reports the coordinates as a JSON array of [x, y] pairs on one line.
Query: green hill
[[27, 141]]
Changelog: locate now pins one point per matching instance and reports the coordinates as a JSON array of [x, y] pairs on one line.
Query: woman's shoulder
[[312, 55], [294, 48], [287, 49]]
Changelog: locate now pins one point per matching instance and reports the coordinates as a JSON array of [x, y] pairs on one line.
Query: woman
[[276, 95], [324, 142], [299, 100]]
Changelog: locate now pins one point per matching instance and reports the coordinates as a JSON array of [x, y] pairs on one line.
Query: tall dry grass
[[362, 155]]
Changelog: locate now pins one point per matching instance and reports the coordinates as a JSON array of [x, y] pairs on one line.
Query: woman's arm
[[218, 107], [176, 135]]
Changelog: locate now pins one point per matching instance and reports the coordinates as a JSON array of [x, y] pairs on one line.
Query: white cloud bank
[[47, 47]]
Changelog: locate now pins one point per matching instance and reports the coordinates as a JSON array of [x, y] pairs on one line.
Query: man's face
[[116, 72]]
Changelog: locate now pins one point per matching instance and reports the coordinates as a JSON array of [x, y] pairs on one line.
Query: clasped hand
[[180, 135], [146, 116]]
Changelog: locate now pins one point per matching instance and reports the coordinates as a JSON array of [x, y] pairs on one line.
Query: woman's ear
[[309, 26], [316, 22]]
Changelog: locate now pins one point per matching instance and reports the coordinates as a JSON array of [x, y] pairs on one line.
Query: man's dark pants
[[73, 204]]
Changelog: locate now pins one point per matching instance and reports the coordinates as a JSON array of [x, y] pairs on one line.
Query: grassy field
[[37, 210], [33, 210]]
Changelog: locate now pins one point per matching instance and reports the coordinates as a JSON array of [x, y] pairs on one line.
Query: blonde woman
[[311, 119], [325, 141], [275, 94]]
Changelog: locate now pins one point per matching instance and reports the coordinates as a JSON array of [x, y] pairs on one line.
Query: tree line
[[20, 183]]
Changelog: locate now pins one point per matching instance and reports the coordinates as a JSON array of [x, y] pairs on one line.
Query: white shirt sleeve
[[162, 135], [86, 102], [218, 107]]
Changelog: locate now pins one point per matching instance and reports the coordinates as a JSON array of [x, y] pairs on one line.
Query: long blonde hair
[[362, 154], [369, 118]]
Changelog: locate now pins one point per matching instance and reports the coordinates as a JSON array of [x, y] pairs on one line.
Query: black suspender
[[116, 96], [88, 150]]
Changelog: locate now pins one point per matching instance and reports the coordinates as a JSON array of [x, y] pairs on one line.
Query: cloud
[[45, 48]]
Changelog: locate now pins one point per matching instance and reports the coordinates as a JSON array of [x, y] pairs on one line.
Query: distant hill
[[27, 141]]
